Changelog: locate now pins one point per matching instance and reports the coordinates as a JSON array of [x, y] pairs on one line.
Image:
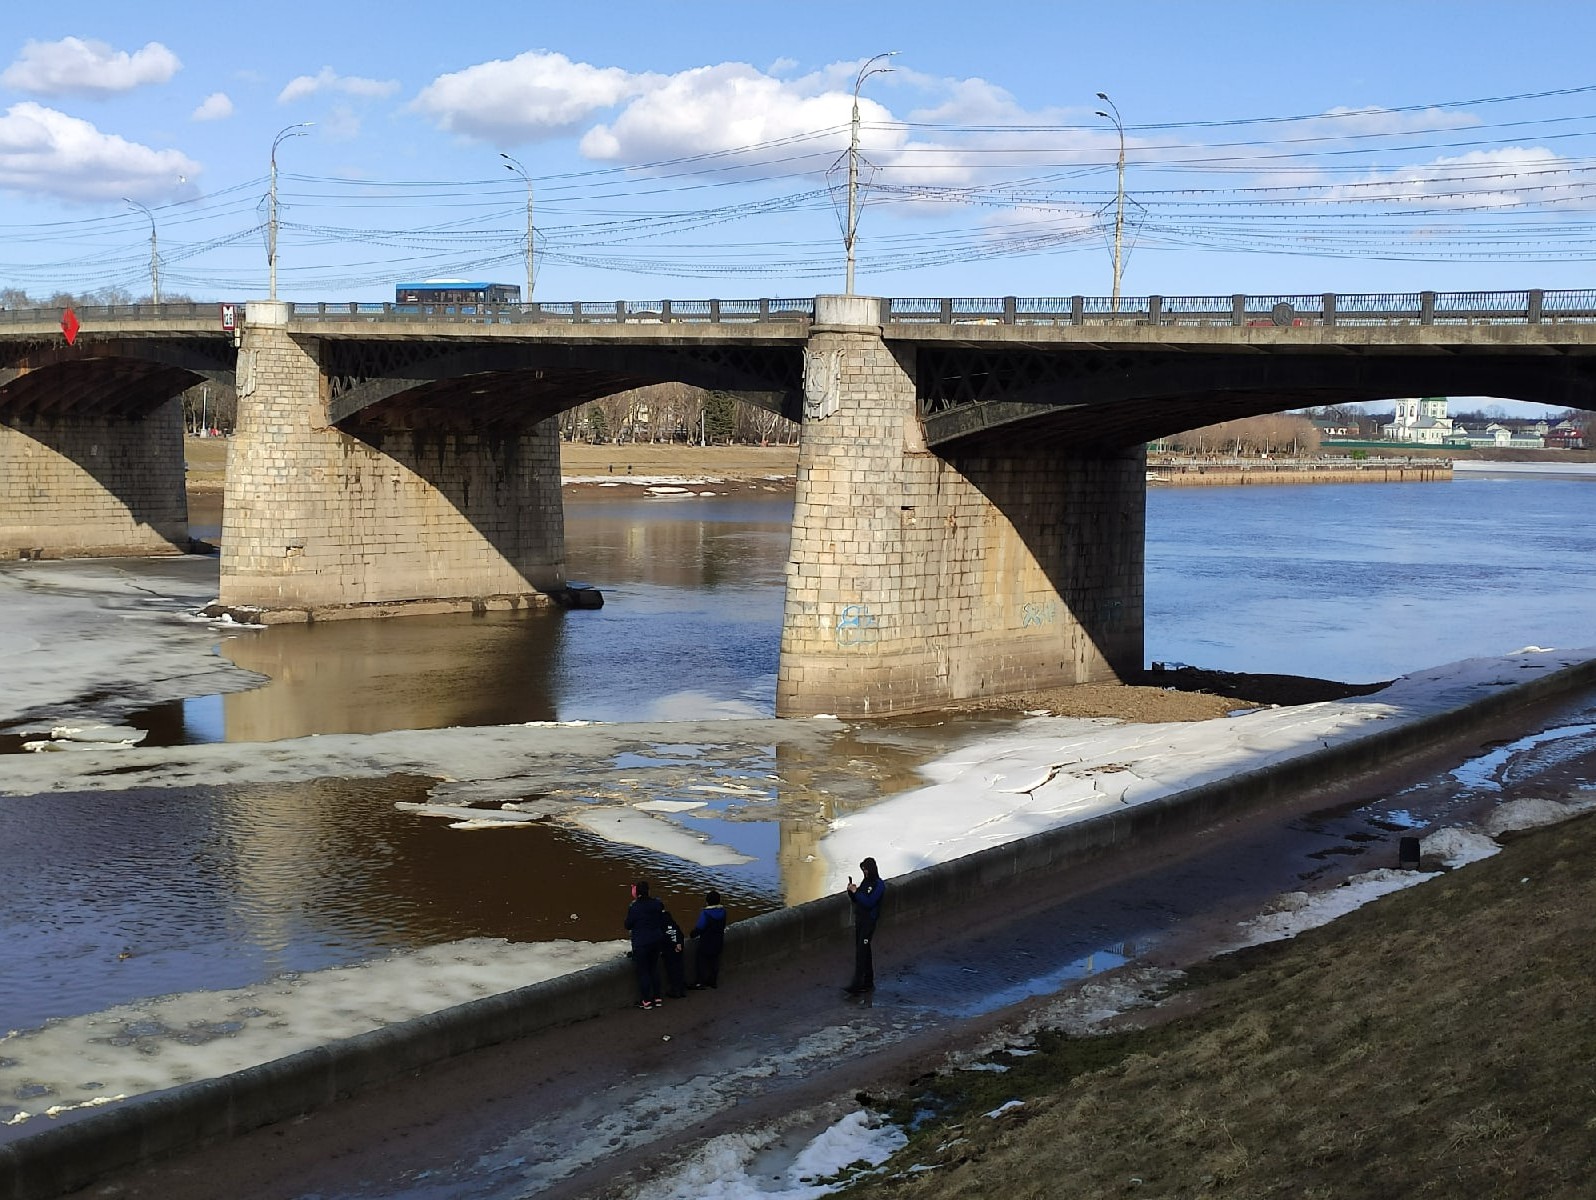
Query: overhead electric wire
[[1324, 186]]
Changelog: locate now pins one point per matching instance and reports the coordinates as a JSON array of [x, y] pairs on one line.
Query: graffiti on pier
[[1043, 613], [856, 626]]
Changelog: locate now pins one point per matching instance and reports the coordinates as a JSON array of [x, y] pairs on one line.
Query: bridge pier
[[917, 581], [93, 484], [321, 524]]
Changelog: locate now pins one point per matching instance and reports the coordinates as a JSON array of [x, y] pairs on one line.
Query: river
[[120, 895]]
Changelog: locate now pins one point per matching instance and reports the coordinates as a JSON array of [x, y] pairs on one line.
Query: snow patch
[[720, 1169]]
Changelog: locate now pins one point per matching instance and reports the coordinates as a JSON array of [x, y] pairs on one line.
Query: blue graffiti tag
[[856, 626], [1044, 613]]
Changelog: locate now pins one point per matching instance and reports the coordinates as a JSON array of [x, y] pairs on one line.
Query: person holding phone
[[866, 897]]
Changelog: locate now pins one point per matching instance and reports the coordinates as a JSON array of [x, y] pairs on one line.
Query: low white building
[[1423, 421]]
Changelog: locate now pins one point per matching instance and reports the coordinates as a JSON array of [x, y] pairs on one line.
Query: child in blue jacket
[[710, 932]]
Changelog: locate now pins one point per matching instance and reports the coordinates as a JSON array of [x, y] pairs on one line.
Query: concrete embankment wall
[[70, 1156], [1266, 473]]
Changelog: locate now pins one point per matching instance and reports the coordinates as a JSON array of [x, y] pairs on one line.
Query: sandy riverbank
[[587, 467]]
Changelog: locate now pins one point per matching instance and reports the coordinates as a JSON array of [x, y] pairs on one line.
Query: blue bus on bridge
[[454, 295]]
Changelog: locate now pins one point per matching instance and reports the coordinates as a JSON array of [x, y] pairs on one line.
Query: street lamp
[[1119, 203], [852, 231], [514, 166], [155, 258], [291, 131]]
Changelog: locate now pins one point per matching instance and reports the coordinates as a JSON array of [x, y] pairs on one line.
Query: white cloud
[[77, 67], [1508, 177], [533, 96], [215, 107], [329, 80], [342, 124], [47, 153], [721, 108]]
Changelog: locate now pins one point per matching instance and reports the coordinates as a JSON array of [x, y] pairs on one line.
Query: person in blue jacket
[[646, 919], [710, 932], [866, 896]]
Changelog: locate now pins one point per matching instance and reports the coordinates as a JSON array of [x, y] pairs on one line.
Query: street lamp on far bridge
[[852, 231], [155, 258], [283, 135], [1119, 203], [514, 165]]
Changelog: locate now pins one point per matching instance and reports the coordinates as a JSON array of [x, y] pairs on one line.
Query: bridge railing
[[1285, 310], [92, 314], [580, 312], [1329, 309]]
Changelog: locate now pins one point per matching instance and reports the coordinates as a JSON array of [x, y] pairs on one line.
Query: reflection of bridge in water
[[965, 465]]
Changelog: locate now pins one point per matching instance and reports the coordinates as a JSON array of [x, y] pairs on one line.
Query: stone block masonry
[[90, 485], [917, 580], [321, 523]]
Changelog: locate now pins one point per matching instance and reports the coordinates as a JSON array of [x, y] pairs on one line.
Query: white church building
[[1421, 420]]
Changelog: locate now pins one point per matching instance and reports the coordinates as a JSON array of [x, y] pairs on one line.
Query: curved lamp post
[[291, 131], [514, 166], [852, 231], [1119, 204], [155, 258]]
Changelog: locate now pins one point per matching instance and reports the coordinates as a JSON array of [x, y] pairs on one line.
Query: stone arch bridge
[[969, 518]]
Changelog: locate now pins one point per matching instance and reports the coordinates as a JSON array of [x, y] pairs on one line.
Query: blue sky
[[690, 151]]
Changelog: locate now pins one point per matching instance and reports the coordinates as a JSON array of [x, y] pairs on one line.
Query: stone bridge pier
[[93, 484], [321, 523], [917, 579]]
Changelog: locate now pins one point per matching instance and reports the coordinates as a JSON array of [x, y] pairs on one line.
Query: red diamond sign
[[70, 326]]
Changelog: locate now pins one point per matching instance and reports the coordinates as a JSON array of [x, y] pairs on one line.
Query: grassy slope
[[1440, 1042]]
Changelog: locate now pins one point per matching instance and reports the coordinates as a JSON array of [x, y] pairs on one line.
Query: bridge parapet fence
[[101, 314], [1281, 311], [1286, 310], [577, 312]]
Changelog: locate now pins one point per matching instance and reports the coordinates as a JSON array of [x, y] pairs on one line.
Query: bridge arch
[[91, 442], [517, 384], [121, 378], [1095, 398]]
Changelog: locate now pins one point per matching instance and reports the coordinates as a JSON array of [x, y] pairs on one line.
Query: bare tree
[[1278, 433]]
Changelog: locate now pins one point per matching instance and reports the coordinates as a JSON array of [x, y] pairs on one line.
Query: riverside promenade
[[967, 948], [1242, 472]]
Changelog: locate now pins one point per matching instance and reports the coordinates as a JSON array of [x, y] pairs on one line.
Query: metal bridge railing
[[1531, 307]]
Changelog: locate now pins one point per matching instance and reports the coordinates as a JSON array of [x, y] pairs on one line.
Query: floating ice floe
[[94, 736], [625, 825], [478, 818]]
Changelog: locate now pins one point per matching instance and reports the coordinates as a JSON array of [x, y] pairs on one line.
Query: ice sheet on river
[[1049, 772], [157, 1043]]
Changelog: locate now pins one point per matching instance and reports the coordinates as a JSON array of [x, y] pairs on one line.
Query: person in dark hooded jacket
[[866, 897], [646, 919], [674, 949]]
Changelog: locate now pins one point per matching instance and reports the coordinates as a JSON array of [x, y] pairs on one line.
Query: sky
[[700, 151]]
